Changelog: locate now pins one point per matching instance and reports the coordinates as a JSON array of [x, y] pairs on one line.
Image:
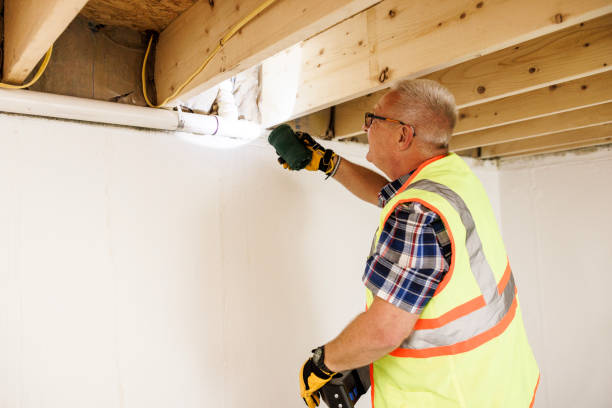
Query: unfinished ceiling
[[551, 93], [529, 77], [141, 15]]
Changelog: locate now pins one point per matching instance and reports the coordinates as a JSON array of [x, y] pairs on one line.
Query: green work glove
[[312, 378], [323, 159]]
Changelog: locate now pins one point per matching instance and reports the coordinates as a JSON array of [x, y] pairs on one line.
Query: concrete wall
[[141, 269], [557, 223]]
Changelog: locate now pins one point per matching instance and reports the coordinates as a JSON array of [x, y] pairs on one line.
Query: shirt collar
[[390, 190]]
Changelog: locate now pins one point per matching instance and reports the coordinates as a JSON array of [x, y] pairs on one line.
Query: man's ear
[[406, 138]]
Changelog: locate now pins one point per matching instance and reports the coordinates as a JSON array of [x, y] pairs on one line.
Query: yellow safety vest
[[469, 348]]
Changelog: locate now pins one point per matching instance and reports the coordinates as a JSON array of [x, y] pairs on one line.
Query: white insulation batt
[[141, 269]]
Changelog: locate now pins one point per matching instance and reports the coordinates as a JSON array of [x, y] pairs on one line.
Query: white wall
[[138, 269], [557, 224]]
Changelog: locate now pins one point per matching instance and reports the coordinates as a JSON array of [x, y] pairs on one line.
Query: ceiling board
[[139, 15]]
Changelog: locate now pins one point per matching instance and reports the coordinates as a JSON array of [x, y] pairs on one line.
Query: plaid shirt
[[412, 255]]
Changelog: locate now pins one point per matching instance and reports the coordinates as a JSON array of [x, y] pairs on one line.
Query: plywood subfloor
[[139, 15]]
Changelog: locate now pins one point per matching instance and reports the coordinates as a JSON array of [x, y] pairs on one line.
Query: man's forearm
[[358, 345], [361, 181], [372, 335]]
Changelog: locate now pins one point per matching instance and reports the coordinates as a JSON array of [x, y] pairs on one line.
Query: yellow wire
[[214, 52], [40, 71]]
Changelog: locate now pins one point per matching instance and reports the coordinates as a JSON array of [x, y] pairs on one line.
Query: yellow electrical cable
[[40, 71], [214, 52]]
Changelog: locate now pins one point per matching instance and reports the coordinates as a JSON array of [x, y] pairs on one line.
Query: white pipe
[[89, 110], [225, 100]]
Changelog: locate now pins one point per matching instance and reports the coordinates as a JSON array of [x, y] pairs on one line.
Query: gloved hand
[[312, 378], [323, 159]]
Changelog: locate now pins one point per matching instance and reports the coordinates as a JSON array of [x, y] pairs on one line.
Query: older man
[[443, 327]]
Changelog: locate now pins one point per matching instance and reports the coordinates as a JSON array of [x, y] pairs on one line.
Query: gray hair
[[430, 107]]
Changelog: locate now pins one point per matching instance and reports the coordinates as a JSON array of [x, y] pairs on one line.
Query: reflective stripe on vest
[[494, 304], [480, 267]]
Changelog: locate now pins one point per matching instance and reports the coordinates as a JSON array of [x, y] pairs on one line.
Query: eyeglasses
[[369, 118]]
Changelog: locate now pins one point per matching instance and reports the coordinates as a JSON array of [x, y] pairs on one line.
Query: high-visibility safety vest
[[469, 348]]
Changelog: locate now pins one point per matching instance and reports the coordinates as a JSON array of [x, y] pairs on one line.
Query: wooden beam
[[545, 101], [576, 51], [189, 39], [590, 116], [349, 115], [473, 153], [315, 125], [565, 148], [30, 28], [554, 58], [400, 39], [555, 140]]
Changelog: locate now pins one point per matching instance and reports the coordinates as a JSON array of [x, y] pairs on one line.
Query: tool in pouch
[[345, 389]]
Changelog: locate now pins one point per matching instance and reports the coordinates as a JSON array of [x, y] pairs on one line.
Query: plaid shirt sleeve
[[411, 258]]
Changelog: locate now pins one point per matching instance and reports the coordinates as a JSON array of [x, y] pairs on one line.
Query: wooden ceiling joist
[[579, 50], [599, 114], [560, 141], [399, 39], [189, 39], [564, 148], [549, 100], [30, 28], [575, 52]]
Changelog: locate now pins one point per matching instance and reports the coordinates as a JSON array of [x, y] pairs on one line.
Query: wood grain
[[30, 28], [552, 141], [315, 125], [564, 148], [190, 38], [599, 114], [399, 39], [549, 100], [580, 49], [555, 57]]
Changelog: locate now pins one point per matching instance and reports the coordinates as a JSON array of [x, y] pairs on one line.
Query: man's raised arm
[[361, 181]]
